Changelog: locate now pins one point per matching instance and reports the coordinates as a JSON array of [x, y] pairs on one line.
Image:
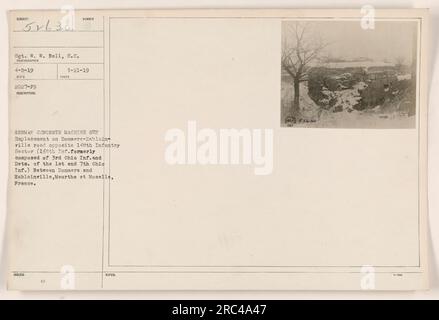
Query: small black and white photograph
[[343, 74]]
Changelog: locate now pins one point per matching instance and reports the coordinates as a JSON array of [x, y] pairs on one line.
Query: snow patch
[[407, 76]]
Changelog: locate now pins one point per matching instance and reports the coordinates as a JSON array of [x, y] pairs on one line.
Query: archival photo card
[[274, 149]]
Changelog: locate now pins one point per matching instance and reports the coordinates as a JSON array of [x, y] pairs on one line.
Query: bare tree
[[299, 49]]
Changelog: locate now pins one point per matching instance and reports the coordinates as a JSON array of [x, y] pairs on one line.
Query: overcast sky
[[388, 41]]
